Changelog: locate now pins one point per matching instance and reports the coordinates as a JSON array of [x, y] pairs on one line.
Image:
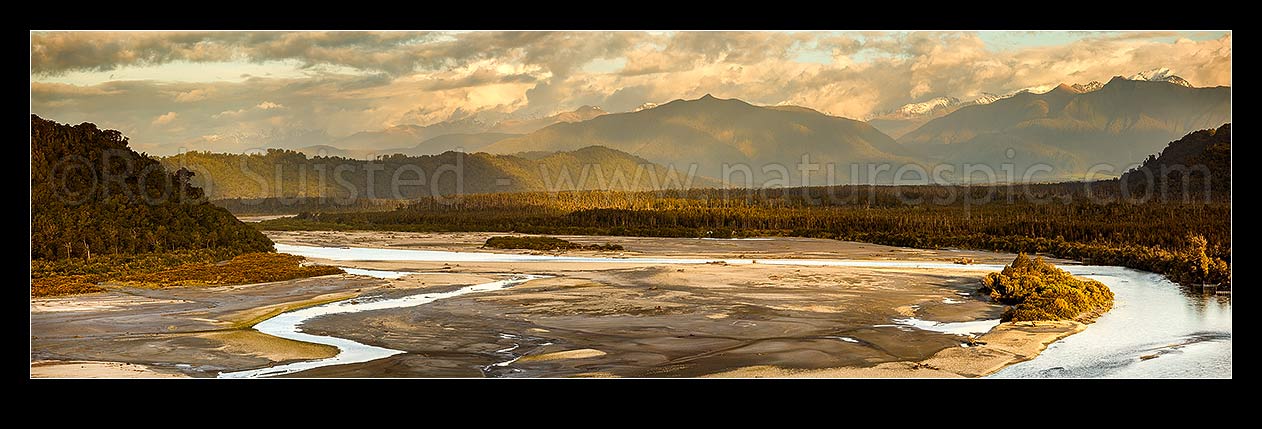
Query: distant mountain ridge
[[768, 142], [460, 142], [523, 126], [902, 120], [406, 137], [1067, 128], [1071, 130]]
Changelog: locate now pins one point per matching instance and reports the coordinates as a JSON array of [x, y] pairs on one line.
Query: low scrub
[[544, 243], [243, 269], [1037, 290], [76, 276]]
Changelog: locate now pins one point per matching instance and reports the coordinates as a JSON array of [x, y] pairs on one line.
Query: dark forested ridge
[[1197, 165], [92, 195]]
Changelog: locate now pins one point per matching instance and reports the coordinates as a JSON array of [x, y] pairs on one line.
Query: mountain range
[[465, 134], [1073, 131], [767, 142], [908, 117], [1056, 134]]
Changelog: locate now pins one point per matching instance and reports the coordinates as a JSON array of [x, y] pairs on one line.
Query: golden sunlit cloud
[[171, 88]]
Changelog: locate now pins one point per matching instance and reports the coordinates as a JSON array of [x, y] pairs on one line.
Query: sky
[[233, 91]]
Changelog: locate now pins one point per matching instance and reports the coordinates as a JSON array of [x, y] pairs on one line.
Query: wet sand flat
[[622, 319], [196, 331]]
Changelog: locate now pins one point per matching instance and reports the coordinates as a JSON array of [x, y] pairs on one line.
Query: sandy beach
[[592, 319]]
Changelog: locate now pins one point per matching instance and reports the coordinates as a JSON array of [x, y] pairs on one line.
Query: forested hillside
[[284, 173], [1193, 166], [91, 195]]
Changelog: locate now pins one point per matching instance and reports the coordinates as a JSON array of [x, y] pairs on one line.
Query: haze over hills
[[711, 132], [460, 142], [404, 138], [524, 126], [1070, 130], [283, 173], [467, 143]]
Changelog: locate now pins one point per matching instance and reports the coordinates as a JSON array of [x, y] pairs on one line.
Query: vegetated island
[[1037, 290], [102, 213], [545, 244]]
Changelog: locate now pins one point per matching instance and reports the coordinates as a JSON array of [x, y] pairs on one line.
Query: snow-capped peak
[[1092, 86], [916, 109], [1041, 89], [990, 97], [1160, 74], [987, 98], [646, 106]]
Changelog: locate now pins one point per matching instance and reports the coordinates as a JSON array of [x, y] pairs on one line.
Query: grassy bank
[[75, 276]]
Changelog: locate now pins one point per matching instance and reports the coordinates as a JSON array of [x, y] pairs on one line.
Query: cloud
[[191, 95], [165, 118], [393, 52], [345, 82], [58, 52]]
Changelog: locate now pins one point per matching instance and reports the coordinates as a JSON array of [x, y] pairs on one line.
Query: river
[[1155, 329], [288, 325]]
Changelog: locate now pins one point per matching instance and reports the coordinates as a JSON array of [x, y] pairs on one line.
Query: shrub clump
[[1037, 290], [544, 243]]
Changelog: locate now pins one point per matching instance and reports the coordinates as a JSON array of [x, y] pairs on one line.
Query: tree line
[[1068, 220]]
